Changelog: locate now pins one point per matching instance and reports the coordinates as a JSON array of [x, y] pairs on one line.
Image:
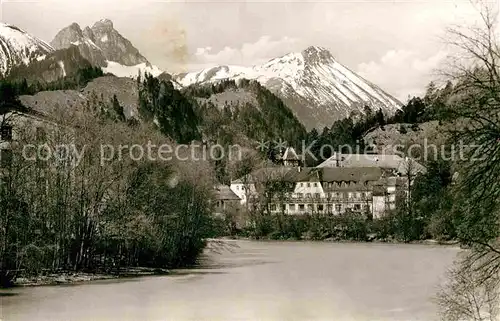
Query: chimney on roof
[[299, 168], [337, 160]]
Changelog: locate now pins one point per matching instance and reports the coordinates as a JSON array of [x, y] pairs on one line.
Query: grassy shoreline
[[66, 277], [331, 240]]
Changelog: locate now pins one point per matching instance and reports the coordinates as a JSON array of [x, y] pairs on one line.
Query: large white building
[[327, 189]]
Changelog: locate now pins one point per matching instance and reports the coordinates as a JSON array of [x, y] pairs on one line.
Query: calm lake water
[[258, 281]]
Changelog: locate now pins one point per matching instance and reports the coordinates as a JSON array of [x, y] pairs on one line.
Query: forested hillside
[[359, 134], [230, 109]]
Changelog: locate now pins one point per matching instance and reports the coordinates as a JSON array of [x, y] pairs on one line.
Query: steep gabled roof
[[313, 174], [11, 115], [265, 174], [290, 155], [392, 161], [223, 192], [340, 174]]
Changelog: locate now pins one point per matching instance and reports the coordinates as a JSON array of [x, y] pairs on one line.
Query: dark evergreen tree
[[118, 109]]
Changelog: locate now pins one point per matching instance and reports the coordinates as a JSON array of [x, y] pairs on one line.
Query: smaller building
[[226, 199], [33, 130], [5, 141], [247, 186]]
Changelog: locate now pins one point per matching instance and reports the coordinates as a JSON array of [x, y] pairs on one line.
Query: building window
[[338, 207], [302, 207], [300, 195], [349, 195], [301, 184], [316, 195], [308, 184], [329, 207], [310, 207], [5, 157], [292, 207], [308, 195], [273, 207], [6, 133], [320, 207], [315, 184], [357, 207]]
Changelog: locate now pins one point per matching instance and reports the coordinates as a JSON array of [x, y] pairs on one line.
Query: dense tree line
[[267, 120], [347, 135], [13, 87], [244, 122], [64, 63], [426, 215], [173, 112], [77, 214]]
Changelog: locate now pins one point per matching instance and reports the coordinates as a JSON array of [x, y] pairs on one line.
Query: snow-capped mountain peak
[[316, 55], [18, 47], [312, 83], [102, 45]]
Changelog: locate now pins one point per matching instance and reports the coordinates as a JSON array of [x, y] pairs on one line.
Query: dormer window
[[6, 133]]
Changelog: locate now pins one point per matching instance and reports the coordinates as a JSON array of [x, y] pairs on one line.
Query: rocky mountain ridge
[[17, 47], [102, 45], [312, 83]]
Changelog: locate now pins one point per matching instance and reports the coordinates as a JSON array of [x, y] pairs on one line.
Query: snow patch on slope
[[120, 70], [61, 64], [17, 46]]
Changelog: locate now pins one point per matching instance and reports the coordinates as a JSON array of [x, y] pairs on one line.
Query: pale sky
[[397, 45]]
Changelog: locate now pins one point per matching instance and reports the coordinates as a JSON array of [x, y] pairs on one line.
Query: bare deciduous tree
[[472, 290]]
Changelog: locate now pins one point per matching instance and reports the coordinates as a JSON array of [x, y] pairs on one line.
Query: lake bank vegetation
[[67, 213]]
